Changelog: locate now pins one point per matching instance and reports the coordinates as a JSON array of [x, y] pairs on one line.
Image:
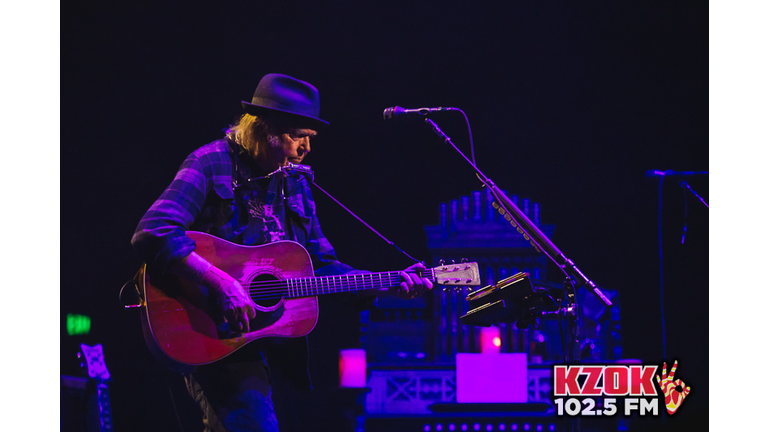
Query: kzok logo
[[669, 385], [634, 383], [617, 380]]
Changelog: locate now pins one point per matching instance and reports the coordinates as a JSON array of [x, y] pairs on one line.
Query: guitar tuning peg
[[441, 262], [453, 261], [464, 260]]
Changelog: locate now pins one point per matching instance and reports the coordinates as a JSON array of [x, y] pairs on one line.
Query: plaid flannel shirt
[[201, 198]]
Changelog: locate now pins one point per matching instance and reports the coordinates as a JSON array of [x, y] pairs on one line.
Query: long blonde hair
[[250, 133]]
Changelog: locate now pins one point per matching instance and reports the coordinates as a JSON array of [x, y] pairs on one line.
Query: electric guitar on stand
[[98, 373], [183, 325]]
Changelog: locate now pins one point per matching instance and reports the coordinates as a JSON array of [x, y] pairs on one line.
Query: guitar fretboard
[[105, 411], [307, 287]]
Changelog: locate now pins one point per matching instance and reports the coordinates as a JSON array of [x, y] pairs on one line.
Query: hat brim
[[301, 120]]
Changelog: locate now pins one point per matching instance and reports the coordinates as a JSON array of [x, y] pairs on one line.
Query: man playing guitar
[[237, 189]]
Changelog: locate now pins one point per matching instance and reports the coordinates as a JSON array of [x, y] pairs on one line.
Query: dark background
[[570, 103]]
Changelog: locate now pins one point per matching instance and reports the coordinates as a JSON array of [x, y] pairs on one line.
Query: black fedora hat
[[281, 94]]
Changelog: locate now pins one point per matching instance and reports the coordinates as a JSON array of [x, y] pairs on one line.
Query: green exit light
[[78, 324]]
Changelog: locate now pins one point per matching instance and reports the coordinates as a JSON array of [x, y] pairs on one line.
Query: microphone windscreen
[[391, 112]]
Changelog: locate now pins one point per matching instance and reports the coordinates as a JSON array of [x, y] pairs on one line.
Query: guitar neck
[[306, 287], [105, 411]]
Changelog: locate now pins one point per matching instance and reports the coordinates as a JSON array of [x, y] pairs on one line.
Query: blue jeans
[[234, 395]]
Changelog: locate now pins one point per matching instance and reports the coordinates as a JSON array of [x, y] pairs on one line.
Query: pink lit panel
[[352, 368], [492, 378]]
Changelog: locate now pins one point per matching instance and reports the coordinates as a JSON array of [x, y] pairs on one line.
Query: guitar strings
[[275, 289], [346, 282], [282, 286]]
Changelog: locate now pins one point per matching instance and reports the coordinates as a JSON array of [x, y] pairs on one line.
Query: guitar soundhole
[[265, 293]]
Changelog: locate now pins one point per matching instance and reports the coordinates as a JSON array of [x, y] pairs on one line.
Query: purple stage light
[[490, 341]]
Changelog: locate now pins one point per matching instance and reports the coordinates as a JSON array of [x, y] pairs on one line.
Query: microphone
[[288, 170], [397, 111], [657, 173], [293, 168]]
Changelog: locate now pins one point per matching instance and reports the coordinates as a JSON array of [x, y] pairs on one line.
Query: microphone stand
[[530, 232], [574, 277]]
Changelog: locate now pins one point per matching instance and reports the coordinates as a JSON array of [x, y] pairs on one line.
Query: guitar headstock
[[94, 361], [457, 275]]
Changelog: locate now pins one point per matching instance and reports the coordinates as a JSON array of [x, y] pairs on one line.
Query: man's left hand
[[412, 283]]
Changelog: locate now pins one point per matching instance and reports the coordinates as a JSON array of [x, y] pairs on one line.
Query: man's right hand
[[236, 304]]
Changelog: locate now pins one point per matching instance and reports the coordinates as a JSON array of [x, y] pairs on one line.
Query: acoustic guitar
[[183, 325]]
